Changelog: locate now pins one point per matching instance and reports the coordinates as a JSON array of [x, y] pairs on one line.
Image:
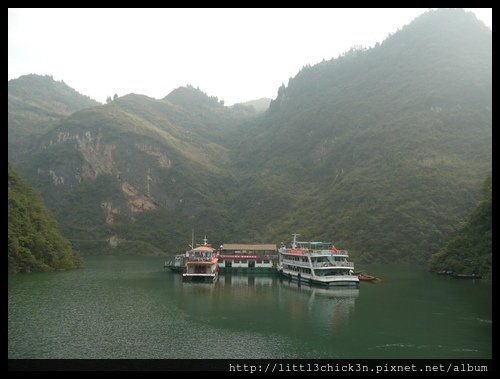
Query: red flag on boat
[[334, 249]]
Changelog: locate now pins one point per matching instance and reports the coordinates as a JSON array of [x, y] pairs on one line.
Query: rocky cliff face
[[112, 168]]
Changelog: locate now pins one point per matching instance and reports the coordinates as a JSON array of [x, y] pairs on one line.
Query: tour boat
[[201, 263], [316, 263]]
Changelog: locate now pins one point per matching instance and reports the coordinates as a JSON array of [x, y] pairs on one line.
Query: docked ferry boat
[[178, 264], [316, 263], [201, 264]]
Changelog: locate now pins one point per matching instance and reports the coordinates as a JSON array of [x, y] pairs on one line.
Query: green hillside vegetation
[[34, 240], [382, 150], [93, 169], [469, 250]]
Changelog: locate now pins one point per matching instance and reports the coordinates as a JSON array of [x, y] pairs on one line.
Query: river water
[[129, 307]]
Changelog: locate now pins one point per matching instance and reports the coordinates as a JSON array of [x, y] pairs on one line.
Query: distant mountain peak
[[259, 105], [36, 103], [449, 15], [436, 40], [34, 85], [190, 96]]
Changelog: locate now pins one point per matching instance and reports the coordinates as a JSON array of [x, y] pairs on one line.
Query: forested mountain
[[469, 249], [35, 104], [138, 171], [34, 240], [382, 150]]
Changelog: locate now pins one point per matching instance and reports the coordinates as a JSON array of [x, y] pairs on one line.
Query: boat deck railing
[[328, 252], [319, 264], [335, 264], [200, 259]]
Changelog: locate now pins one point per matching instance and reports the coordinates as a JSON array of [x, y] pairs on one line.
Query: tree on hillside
[[469, 248], [35, 242]]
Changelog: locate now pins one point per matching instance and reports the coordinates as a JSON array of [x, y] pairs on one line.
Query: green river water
[[130, 307]]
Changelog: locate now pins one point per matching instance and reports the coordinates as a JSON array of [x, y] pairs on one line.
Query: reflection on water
[[128, 307], [267, 302], [239, 280], [327, 306]]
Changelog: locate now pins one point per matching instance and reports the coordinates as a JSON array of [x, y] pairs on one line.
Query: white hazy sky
[[234, 54]]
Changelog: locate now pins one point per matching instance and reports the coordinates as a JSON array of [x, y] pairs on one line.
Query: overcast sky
[[234, 54]]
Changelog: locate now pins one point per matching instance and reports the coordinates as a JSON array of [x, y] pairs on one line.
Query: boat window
[[265, 261], [236, 261]]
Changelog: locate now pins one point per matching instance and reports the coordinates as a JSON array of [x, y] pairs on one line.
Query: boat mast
[[294, 242], [192, 239]]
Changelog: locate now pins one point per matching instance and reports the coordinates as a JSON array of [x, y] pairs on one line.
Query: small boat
[[366, 278], [466, 276], [445, 272]]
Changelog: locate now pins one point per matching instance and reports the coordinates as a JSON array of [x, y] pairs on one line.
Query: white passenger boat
[[318, 263]]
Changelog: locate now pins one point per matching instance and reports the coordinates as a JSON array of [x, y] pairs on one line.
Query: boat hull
[[200, 278], [340, 282]]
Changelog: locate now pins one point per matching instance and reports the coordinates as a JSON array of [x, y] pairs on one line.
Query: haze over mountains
[[382, 150]]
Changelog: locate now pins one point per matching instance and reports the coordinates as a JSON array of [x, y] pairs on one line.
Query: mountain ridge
[[35, 104]]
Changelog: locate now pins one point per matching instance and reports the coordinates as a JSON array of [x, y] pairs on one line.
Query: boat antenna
[[294, 242], [192, 239]]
